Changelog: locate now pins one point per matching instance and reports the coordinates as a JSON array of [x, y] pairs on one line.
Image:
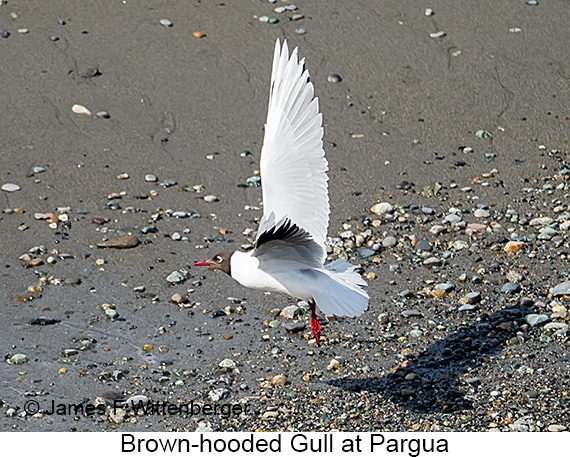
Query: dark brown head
[[220, 261]]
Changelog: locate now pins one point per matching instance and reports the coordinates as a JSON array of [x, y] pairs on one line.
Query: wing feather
[[293, 164]]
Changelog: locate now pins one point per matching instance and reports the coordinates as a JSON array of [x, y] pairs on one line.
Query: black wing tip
[[284, 231]]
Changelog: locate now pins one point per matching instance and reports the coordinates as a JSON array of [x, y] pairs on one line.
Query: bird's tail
[[339, 291]]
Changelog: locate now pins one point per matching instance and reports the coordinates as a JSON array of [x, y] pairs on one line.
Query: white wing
[[293, 164]]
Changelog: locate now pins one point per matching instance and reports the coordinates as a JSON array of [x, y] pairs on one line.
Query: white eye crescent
[[218, 259]]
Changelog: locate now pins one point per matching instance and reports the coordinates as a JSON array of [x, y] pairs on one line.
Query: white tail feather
[[339, 292]]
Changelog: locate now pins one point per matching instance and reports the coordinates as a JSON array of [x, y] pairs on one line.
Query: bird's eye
[[218, 259]]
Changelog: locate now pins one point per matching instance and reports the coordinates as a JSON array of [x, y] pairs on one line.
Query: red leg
[[315, 324]]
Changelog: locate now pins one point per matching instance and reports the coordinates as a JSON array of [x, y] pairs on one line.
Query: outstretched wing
[[293, 164], [280, 241]]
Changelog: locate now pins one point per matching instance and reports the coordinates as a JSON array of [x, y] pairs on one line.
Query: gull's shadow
[[441, 370]]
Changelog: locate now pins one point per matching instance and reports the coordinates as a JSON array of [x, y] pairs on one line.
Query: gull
[[289, 253]]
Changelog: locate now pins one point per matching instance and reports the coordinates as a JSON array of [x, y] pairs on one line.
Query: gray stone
[[556, 326], [446, 286], [423, 246], [228, 364], [290, 312], [382, 209], [365, 252], [536, 319], [510, 288], [547, 233], [219, 394], [473, 297], [452, 218], [481, 213], [466, 307], [432, 262], [18, 359], [411, 313], [175, 277], [10, 187], [204, 427], [389, 242], [561, 289]]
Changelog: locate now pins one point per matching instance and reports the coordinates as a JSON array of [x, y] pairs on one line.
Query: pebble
[[18, 359], [228, 364], [177, 299], [294, 327], [388, 242], [445, 286], [460, 244], [432, 262], [555, 427], [300, 31], [4, 33], [556, 326], [541, 221], [514, 276], [510, 288], [219, 394], [472, 297], [102, 115], [253, 181], [482, 134], [136, 401], [514, 246], [80, 109], [9, 187], [429, 12], [466, 307], [452, 219], [150, 178], [536, 319], [166, 22], [168, 183], [175, 277], [334, 78], [381, 209], [124, 242], [198, 34], [204, 427], [423, 246], [561, 289], [290, 312], [481, 213], [439, 34], [111, 313], [91, 73], [547, 233], [436, 229], [411, 313], [211, 199], [279, 380]]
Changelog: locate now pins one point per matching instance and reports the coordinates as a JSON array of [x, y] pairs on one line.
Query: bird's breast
[[245, 270]]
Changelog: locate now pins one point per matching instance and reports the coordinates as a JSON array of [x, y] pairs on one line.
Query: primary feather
[[293, 164]]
